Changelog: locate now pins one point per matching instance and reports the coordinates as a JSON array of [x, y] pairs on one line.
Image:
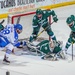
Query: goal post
[[20, 15], [26, 21]]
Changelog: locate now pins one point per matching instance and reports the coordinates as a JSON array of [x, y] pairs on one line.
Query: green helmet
[[38, 11], [70, 19]]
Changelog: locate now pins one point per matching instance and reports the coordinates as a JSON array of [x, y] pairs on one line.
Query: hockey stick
[[72, 51], [44, 29], [70, 54], [2, 22], [41, 32]]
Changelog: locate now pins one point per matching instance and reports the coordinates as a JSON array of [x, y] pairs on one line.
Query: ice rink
[[34, 65]]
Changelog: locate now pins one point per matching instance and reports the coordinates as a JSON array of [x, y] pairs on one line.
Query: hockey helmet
[[70, 19], [38, 11], [18, 26]]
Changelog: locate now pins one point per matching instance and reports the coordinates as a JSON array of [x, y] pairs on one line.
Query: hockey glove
[[32, 37], [23, 43], [55, 18]]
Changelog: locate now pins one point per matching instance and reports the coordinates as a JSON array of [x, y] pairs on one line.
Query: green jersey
[[43, 21], [45, 47]]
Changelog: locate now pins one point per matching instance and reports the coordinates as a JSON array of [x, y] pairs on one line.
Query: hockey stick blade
[[70, 54]]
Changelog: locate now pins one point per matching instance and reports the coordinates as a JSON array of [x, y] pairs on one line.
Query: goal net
[[25, 19]]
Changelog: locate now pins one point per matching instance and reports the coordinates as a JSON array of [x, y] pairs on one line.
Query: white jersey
[[10, 33]]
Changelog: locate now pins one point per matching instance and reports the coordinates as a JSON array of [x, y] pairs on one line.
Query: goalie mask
[[54, 44]]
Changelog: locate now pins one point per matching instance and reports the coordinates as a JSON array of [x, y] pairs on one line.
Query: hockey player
[[9, 39], [41, 19], [51, 49], [71, 23]]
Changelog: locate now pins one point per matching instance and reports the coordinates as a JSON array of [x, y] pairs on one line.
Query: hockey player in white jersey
[[9, 39]]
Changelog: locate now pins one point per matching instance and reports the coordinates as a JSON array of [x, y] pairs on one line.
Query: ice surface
[[34, 65]]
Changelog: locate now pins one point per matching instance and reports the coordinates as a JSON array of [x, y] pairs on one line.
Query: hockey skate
[[6, 61]]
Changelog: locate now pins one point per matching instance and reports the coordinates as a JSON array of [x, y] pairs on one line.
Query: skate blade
[[6, 63]]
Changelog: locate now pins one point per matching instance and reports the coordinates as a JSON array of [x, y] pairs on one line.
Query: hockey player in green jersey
[[71, 23], [51, 49], [40, 19]]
